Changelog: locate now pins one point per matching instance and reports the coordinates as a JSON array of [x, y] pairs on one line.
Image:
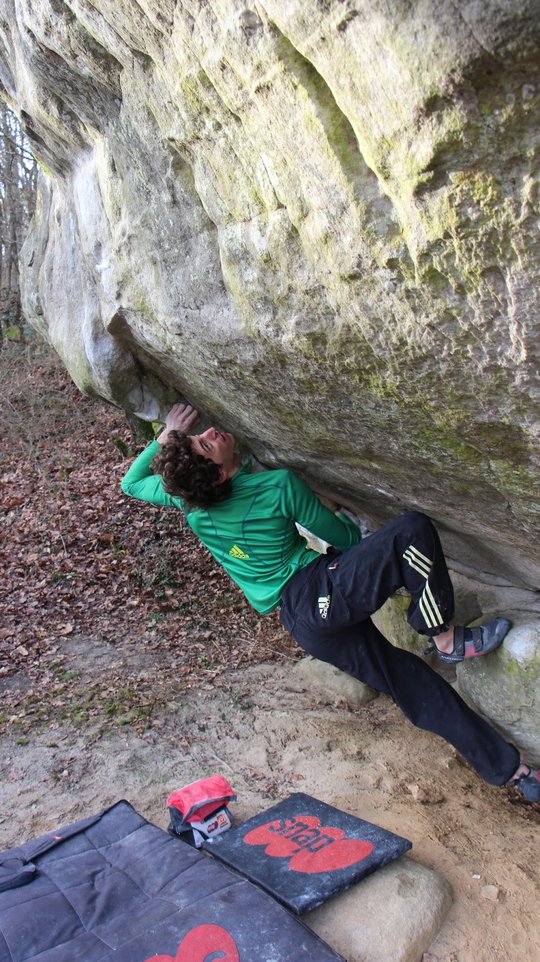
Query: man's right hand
[[360, 523], [181, 418]]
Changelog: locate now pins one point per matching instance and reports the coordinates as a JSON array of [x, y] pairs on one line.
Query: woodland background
[[18, 175], [79, 558]]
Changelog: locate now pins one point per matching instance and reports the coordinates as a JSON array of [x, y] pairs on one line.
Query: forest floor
[[130, 665]]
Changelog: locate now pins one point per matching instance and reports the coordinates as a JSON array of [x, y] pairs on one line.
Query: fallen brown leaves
[[80, 560]]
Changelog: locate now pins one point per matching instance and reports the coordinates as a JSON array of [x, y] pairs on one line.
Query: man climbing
[[246, 519]]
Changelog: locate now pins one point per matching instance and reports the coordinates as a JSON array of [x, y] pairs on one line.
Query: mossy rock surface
[[505, 688], [318, 224]]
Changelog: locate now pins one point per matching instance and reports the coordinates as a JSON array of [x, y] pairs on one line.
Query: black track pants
[[327, 606]]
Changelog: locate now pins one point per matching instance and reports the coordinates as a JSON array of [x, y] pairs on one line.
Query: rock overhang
[[318, 223]]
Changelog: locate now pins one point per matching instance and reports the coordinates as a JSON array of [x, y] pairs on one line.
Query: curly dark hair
[[188, 475]]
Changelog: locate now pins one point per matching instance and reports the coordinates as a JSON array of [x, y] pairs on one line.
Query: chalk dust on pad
[[303, 851]]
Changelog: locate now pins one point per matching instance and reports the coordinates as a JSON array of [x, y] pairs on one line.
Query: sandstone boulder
[[506, 689], [318, 222], [394, 914]]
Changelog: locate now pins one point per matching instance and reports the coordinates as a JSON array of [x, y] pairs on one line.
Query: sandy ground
[[271, 737]]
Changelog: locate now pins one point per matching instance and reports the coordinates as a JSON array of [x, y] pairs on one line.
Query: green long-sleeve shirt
[[252, 534]]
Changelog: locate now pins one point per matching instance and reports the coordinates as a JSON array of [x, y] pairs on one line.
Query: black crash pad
[[303, 851], [116, 889]]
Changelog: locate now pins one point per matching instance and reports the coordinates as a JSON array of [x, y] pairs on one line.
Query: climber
[[246, 519]]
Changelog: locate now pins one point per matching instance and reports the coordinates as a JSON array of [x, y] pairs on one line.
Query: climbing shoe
[[473, 642], [527, 785]]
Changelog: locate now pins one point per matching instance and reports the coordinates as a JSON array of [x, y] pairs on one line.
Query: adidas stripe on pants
[[327, 606]]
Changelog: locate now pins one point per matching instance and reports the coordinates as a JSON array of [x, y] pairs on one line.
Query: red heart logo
[[205, 943], [310, 846]]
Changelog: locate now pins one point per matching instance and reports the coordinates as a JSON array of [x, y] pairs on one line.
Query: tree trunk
[[18, 175]]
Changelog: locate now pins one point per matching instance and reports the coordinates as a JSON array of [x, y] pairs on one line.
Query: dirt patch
[[270, 736]]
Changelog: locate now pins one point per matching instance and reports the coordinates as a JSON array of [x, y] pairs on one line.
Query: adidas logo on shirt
[[237, 552], [324, 604]]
